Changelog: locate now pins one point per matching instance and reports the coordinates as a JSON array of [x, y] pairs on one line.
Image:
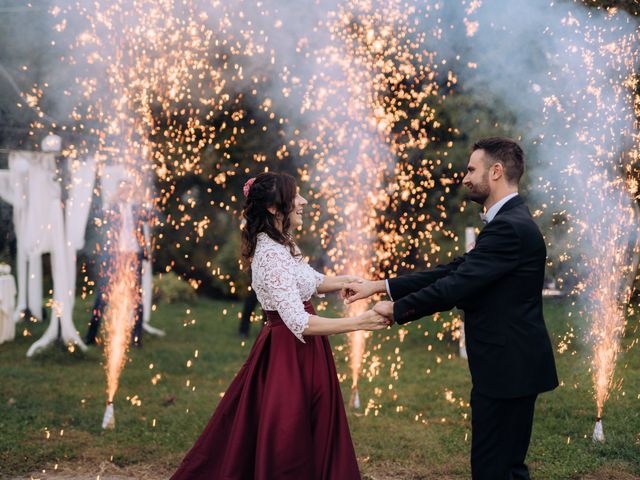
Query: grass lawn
[[414, 423]]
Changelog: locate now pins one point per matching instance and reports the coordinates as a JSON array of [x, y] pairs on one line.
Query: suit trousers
[[500, 435]]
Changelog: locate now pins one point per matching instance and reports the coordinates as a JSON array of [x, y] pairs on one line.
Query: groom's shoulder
[[520, 221], [500, 229], [516, 213]]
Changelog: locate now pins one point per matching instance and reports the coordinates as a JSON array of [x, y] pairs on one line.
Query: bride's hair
[[269, 189]]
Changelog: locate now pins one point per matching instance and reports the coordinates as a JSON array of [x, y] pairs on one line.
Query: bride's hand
[[358, 290], [346, 291], [371, 320]]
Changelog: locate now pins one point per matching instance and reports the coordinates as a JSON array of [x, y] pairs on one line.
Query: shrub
[[170, 288]]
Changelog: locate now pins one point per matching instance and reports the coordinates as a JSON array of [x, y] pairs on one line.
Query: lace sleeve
[[318, 277], [277, 272]]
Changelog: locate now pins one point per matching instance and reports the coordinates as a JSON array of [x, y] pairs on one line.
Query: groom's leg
[[521, 413], [489, 460], [501, 430]]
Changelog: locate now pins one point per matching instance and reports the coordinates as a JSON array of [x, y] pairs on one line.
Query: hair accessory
[[247, 186]]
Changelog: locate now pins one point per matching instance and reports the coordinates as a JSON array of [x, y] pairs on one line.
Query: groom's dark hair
[[505, 151]]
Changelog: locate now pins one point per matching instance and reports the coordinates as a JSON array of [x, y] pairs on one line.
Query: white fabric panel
[[34, 282], [83, 174], [7, 307], [147, 285], [147, 276], [40, 228], [6, 188], [127, 240], [33, 190], [111, 177], [17, 196], [44, 205], [80, 192]]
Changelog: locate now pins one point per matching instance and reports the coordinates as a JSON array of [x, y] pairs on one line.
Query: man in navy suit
[[499, 285]]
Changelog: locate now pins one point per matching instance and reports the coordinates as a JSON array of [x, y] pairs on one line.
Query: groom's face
[[477, 177]]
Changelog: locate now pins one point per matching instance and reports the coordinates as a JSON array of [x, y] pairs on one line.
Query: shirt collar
[[493, 211]]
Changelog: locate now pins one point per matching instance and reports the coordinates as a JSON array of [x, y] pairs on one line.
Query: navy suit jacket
[[498, 284]]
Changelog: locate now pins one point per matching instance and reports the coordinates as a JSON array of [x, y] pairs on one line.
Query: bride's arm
[[334, 284], [273, 269], [368, 320]]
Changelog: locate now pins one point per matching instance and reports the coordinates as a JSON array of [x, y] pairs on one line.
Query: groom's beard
[[479, 192]]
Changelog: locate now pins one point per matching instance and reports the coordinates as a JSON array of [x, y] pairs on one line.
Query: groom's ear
[[498, 171]]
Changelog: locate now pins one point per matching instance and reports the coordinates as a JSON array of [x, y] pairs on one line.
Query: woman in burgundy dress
[[282, 417]]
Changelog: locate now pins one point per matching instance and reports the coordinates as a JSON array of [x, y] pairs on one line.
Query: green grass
[[416, 427]]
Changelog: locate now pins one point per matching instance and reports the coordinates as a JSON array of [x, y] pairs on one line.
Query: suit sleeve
[[497, 252], [404, 285]]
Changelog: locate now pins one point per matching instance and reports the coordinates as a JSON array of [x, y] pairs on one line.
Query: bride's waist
[[273, 318]]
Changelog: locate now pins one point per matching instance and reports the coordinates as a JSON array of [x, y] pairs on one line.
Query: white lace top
[[283, 282]]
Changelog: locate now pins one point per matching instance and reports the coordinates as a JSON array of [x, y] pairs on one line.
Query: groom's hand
[[385, 309], [358, 290]]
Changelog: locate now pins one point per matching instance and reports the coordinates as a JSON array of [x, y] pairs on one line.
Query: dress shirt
[[493, 211]]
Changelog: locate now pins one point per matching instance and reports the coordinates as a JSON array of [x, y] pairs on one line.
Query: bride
[[282, 417]]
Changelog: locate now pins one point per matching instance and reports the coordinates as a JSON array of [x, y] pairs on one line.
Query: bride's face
[[295, 217]]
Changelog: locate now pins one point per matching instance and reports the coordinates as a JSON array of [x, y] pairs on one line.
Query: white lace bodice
[[283, 282]]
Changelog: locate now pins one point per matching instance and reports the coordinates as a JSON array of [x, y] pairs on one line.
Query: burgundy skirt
[[282, 417]]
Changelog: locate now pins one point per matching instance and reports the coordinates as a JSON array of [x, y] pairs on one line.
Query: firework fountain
[[123, 297], [377, 73], [606, 219], [610, 287], [115, 57]]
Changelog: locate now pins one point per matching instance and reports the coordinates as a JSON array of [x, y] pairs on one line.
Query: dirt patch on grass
[[101, 471], [396, 471], [407, 476], [104, 470], [610, 473], [144, 471]]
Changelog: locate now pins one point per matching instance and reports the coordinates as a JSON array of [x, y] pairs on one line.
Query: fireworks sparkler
[[605, 232], [610, 287], [123, 297], [360, 129]]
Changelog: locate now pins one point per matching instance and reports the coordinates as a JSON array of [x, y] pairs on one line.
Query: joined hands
[[372, 320], [361, 289]]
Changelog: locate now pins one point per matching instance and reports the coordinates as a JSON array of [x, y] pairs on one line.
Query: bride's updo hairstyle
[[269, 189]]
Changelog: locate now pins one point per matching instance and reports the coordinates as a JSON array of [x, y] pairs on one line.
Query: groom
[[498, 284]]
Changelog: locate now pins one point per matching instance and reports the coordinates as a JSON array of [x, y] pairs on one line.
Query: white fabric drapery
[[44, 225], [147, 286], [7, 306], [45, 232], [14, 186], [83, 174], [62, 234]]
